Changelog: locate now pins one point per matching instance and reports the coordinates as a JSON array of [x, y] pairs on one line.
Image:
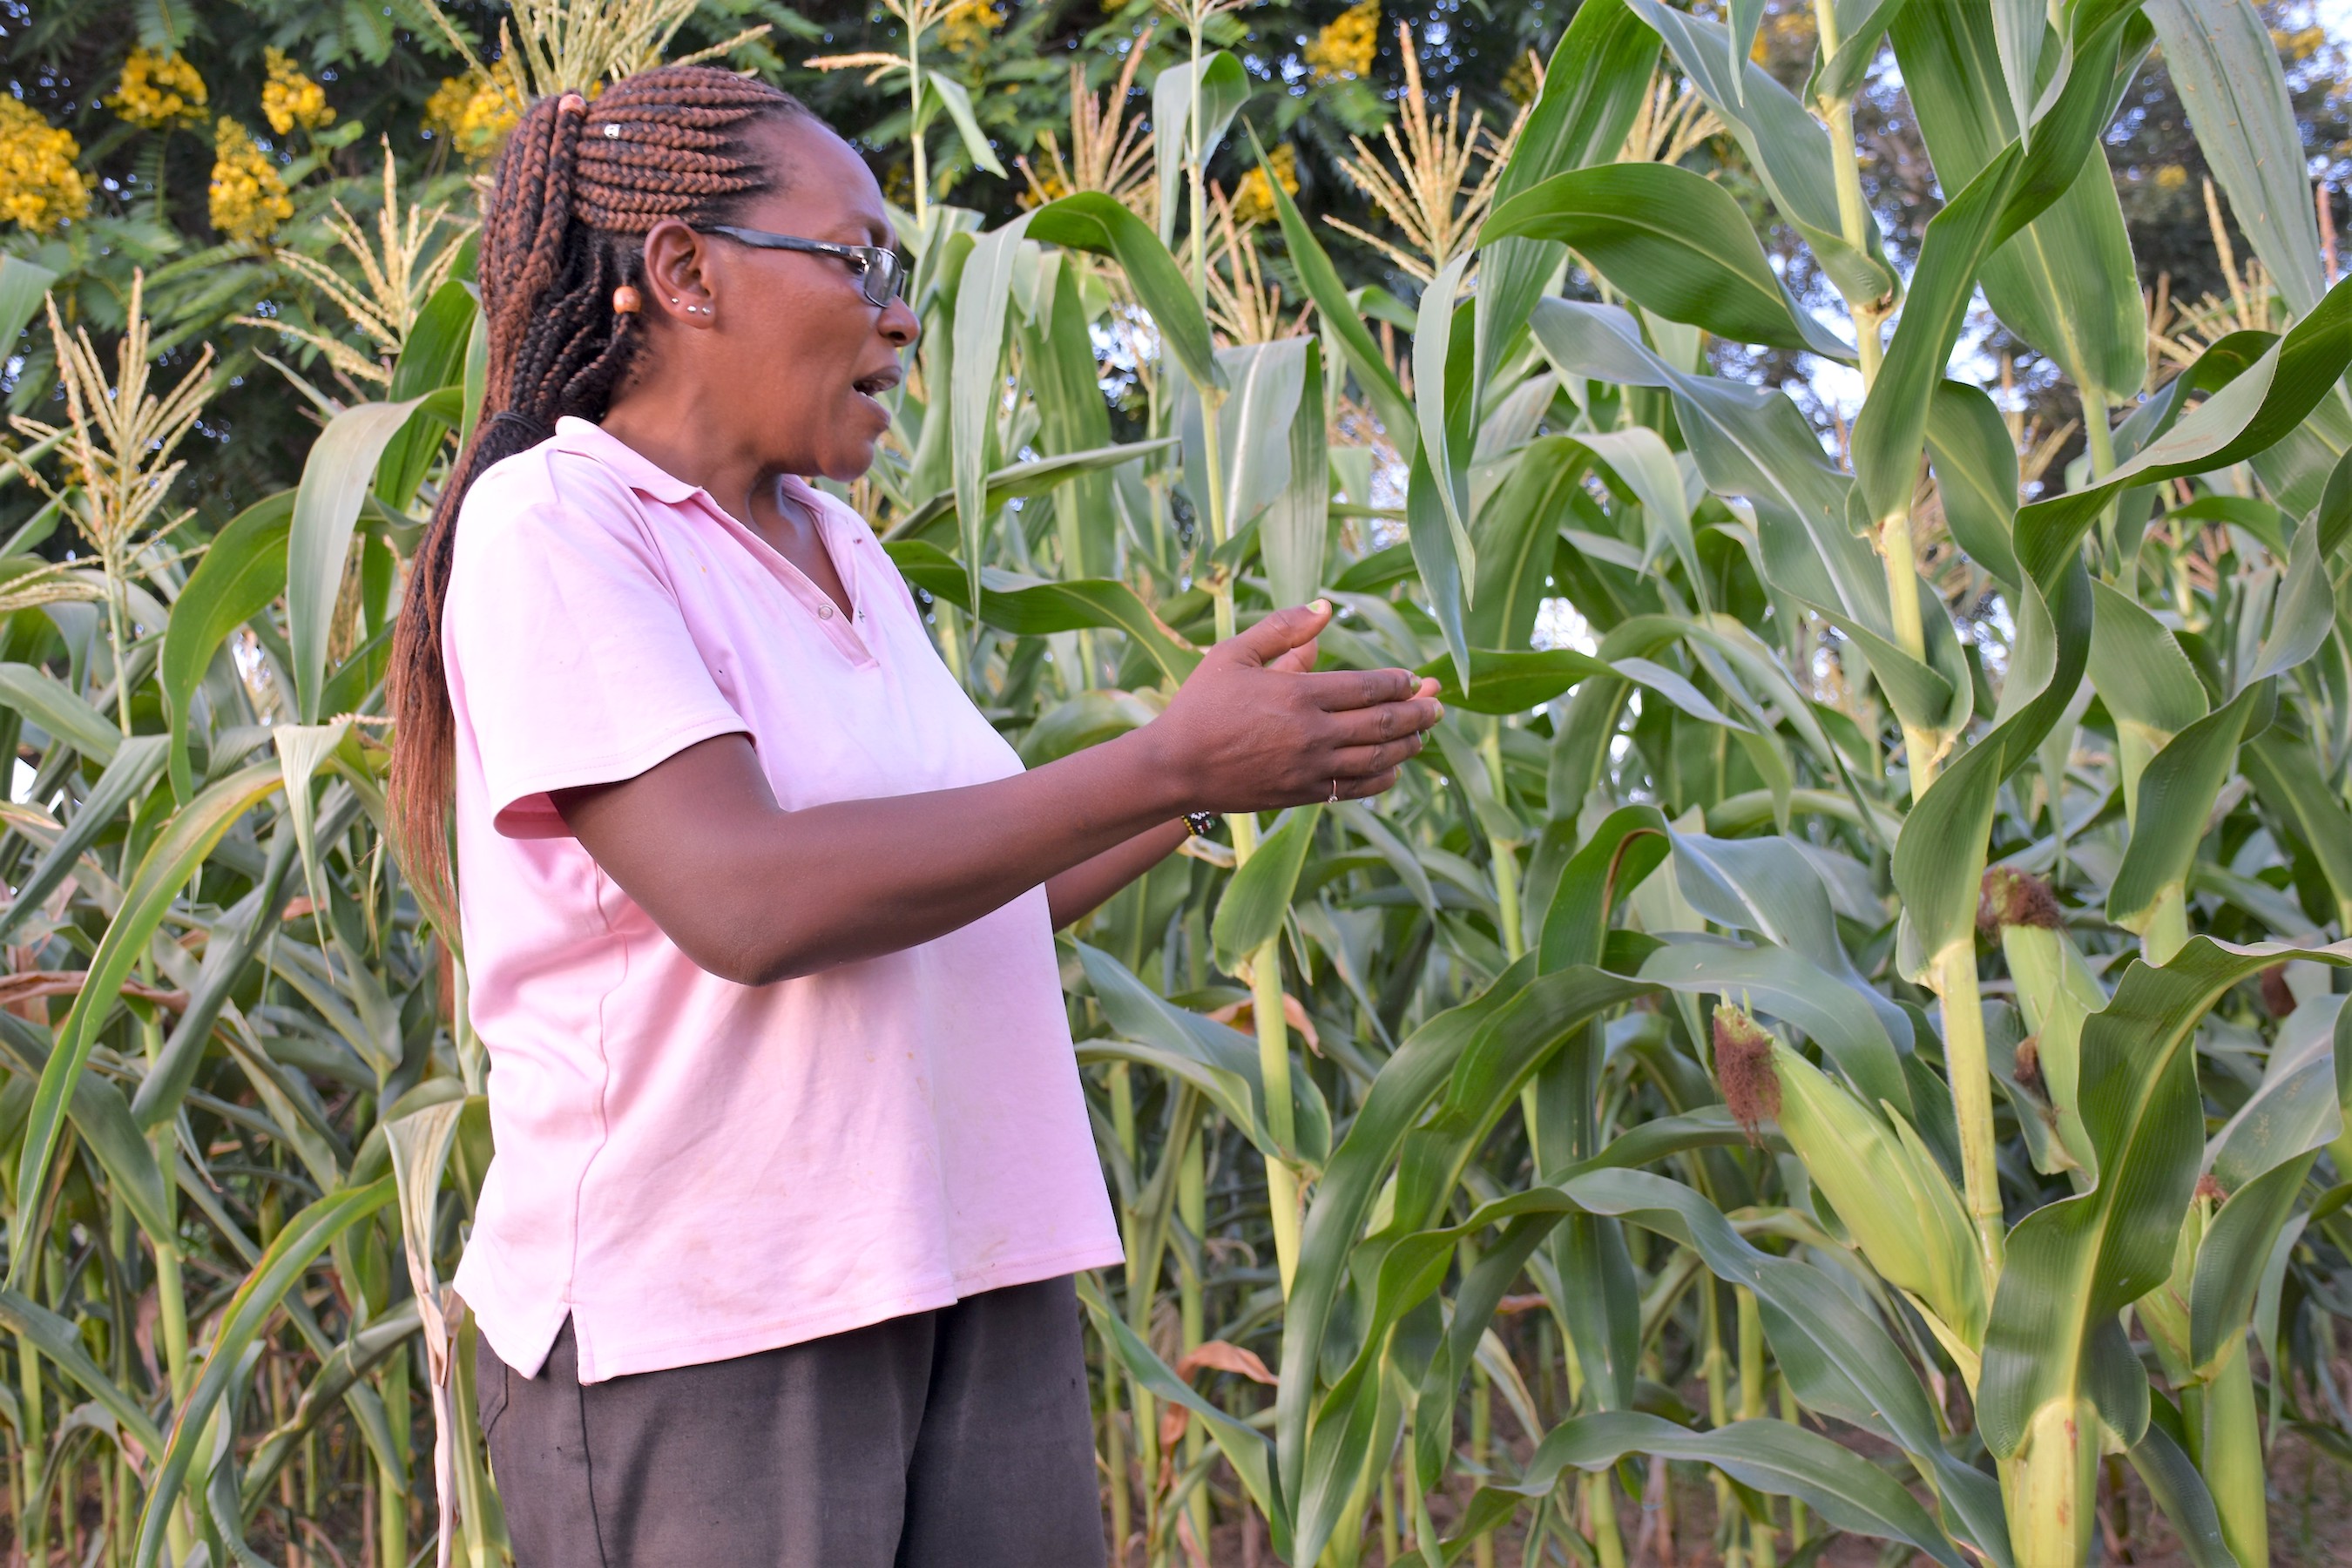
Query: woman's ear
[[678, 274]]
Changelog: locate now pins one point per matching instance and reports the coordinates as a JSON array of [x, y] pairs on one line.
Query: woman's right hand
[[1256, 726]]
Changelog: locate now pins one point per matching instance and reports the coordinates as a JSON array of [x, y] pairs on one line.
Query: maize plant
[[1843, 1034]]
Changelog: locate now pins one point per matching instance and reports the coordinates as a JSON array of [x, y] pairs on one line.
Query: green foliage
[[1653, 1021]]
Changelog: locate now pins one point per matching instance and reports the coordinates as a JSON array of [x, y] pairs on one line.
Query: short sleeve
[[569, 660]]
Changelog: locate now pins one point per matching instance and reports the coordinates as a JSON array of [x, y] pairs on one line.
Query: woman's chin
[[847, 461]]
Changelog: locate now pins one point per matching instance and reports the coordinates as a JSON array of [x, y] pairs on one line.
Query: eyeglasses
[[879, 270]]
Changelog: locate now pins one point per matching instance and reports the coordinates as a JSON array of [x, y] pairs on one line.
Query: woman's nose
[[899, 324]]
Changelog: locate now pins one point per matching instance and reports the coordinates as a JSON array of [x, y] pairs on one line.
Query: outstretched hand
[[1256, 726]]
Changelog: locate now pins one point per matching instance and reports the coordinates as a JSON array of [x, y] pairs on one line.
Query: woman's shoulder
[[553, 477], [557, 499], [550, 521]]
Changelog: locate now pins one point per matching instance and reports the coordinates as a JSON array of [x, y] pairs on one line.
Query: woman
[[773, 1265]]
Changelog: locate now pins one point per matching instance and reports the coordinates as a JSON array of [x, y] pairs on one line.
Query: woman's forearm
[[1090, 884], [758, 894]]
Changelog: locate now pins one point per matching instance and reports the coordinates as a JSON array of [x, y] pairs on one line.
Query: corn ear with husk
[[2055, 991], [1886, 1186]]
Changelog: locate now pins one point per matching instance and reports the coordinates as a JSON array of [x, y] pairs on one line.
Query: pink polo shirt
[[689, 1168]]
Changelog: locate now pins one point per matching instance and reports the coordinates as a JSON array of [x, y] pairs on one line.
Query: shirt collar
[[837, 520], [582, 438]]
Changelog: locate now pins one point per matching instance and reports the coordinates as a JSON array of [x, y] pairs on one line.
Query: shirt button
[[825, 612]]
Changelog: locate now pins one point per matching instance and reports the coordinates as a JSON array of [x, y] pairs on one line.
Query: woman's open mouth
[[874, 387]]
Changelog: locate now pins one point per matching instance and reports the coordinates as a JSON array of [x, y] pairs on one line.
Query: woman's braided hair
[[576, 189]]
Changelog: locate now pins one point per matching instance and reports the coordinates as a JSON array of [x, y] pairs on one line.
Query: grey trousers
[[961, 1436]]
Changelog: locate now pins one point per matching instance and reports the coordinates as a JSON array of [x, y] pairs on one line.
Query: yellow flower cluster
[[1788, 34], [1048, 186], [290, 99], [473, 113], [159, 91], [1254, 202], [1521, 84], [969, 24], [40, 186], [1345, 47], [248, 195], [2299, 44]]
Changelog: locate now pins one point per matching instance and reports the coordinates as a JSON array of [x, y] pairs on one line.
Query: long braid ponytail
[[576, 187]]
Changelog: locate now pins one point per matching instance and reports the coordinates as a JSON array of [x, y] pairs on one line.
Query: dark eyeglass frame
[[880, 269]]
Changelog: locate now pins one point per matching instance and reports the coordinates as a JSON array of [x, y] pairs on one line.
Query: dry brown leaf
[[28, 984], [1224, 1356], [1242, 1015]]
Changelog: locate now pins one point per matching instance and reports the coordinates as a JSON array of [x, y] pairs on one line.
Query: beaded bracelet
[[1203, 822]]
